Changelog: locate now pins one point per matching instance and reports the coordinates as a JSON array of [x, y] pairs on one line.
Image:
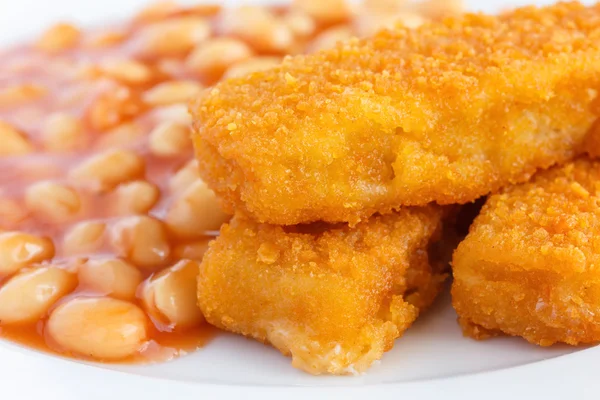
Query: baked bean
[[53, 201], [59, 38], [137, 197], [211, 58], [300, 23], [173, 113], [84, 238], [128, 71], [173, 37], [63, 133], [325, 12], [156, 11], [185, 177], [105, 39], [101, 328], [440, 8], [122, 136], [409, 20], [378, 6], [18, 250], [171, 296], [386, 14], [12, 141], [172, 67], [192, 250], [27, 296], [141, 240], [206, 10], [106, 170], [258, 27], [195, 212], [329, 38], [113, 277], [172, 92], [113, 107], [21, 93], [254, 64], [170, 139]]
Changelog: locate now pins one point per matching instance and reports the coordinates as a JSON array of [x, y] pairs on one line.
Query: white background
[[440, 364]]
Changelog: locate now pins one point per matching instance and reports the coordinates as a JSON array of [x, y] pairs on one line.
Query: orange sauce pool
[[98, 184], [163, 346]]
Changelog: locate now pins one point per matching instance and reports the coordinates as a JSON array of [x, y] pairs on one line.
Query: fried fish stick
[[530, 264], [333, 298], [444, 113]]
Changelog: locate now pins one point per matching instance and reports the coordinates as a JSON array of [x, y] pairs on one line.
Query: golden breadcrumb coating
[[333, 298], [447, 112], [530, 264]]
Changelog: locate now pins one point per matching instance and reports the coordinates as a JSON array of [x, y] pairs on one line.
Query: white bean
[[141, 240], [113, 277], [195, 212], [214, 56], [258, 27], [170, 139], [329, 38], [53, 201], [172, 92], [106, 170], [173, 37], [85, 237], [63, 133], [100, 328], [58, 38], [192, 250], [325, 12], [26, 297], [171, 297], [137, 197], [18, 250], [128, 71], [185, 177], [255, 64]]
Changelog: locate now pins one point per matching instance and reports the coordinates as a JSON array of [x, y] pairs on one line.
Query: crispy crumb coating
[[333, 298], [446, 113], [530, 264]]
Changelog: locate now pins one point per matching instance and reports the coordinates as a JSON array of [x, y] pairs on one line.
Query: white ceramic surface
[[431, 361]]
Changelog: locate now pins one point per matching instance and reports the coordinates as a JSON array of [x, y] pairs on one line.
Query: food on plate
[[529, 264], [170, 297], [103, 215], [332, 297], [102, 328], [444, 113]]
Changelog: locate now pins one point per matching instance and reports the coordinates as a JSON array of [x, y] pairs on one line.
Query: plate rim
[[539, 378]]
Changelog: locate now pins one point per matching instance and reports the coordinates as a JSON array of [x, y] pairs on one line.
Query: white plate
[[432, 360]]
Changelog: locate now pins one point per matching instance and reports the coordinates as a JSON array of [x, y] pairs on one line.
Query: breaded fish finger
[[529, 266], [333, 298], [444, 113]]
